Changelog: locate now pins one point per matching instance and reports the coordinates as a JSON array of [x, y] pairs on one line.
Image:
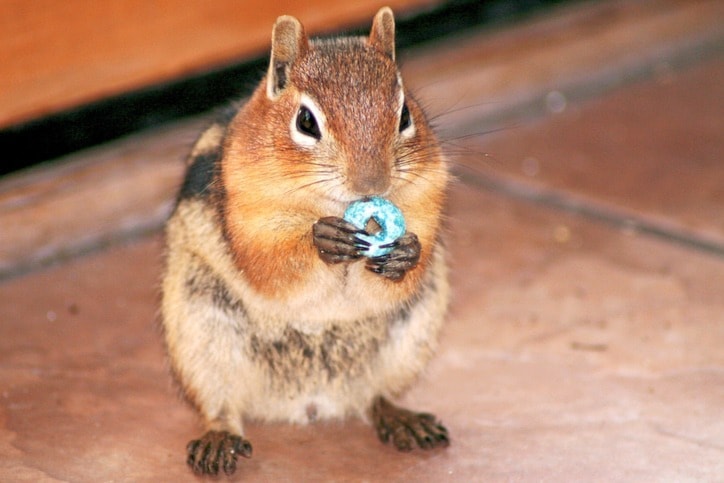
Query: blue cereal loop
[[386, 214]]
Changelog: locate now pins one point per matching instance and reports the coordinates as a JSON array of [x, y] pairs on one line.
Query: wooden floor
[[587, 242]]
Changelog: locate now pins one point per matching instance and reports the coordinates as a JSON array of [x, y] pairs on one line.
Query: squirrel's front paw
[[404, 256], [336, 240], [216, 450]]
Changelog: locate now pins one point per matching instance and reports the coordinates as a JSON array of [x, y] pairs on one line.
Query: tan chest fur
[[280, 359]]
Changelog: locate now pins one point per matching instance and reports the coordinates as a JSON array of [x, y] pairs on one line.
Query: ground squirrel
[[269, 309]]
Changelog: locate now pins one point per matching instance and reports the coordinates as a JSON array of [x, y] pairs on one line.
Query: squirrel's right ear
[[289, 42], [382, 35]]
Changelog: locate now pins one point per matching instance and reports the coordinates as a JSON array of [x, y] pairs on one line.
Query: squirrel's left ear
[[382, 35], [289, 42]]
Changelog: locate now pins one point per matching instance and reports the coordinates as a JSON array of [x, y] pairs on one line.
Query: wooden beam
[[59, 54], [113, 192]]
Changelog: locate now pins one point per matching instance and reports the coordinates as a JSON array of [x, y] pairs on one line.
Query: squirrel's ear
[[289, 42], [382, 35]]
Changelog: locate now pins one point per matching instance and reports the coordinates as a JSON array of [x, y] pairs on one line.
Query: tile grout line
[[592, 210], [83, 248], [536, 106]]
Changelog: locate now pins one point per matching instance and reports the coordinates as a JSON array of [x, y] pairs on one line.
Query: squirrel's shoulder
[[204, 161]]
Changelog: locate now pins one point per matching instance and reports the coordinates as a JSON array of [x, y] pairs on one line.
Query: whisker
[[432, 119], [312, 183]]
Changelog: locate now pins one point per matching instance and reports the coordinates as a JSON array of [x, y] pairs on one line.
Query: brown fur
[[257, 325]]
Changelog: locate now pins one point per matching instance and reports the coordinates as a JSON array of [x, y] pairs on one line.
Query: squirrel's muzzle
[[369, 177]]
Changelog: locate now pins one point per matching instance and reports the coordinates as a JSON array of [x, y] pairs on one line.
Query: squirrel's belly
[[308, 408], [304, 376]]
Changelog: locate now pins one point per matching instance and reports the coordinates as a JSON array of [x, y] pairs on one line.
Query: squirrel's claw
[[407, 429], [216, 450], [336, 240], [404, 256]]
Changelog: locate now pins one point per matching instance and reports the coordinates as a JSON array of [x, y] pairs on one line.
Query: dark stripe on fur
[[201, 175], [202, 283]]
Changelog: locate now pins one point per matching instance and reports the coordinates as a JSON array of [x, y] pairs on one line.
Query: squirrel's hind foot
[[216, 450], [407, 429]]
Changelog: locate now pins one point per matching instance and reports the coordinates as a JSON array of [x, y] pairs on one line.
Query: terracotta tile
[[595, 355], [652, 149]]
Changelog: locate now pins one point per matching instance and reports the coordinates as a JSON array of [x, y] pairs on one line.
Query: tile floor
[[579, 347]]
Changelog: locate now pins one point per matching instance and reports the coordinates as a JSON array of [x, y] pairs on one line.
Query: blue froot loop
[[386, 214]]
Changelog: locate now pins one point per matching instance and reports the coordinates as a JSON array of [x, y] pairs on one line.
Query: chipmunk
[[269, 310]]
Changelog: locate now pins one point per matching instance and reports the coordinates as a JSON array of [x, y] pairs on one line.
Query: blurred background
[[79, 72]]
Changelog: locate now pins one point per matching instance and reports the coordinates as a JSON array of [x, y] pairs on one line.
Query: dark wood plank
[[56, 55]]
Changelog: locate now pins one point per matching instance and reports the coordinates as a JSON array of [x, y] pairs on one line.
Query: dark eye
[[307, 124], [404, 118]]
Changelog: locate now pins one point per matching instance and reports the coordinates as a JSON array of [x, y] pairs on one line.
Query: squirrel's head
[[335, 114]]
